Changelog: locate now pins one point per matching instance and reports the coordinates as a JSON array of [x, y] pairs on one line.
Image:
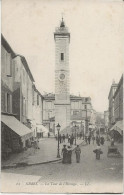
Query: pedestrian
[[60, 139], [86, 139], [69, 154], [112, 142], [98, 140], [93, 138], [37, 143], [64, 153], [89, 139], [78, 152], [63, 137], [71, 141], [98, 151], [69, 137], [72, 138], [80, 135], [77, 135], [48, 134], [102, 140]]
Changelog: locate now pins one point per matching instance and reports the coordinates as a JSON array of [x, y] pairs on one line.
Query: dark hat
[[64, 145], [69, 147]]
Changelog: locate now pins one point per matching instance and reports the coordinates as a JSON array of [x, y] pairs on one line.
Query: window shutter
[[10, 103]]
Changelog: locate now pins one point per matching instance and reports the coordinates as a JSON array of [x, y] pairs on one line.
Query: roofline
[[13, 54], [37, 90], [119, 84], [8, 114], [113, 85], [7, 46], [24, 62]]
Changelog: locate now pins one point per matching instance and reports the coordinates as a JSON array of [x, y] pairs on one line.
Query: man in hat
[[64, 153], [78, 152]]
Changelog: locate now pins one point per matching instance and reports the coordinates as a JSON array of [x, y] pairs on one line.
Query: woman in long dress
[[69, 154], [98, 152], [64, 152], [78, 152]]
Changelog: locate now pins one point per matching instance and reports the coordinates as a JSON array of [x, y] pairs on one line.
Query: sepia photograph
[[62, 65]]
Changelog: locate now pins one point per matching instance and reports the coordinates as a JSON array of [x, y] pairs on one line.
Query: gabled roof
[[113, 85], [7, 46], [13, 54], [24, 62]]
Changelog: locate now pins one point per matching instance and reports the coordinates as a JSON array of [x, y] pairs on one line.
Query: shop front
[[14, 135]]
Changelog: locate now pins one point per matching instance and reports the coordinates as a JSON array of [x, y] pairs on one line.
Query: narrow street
[[88, 172]]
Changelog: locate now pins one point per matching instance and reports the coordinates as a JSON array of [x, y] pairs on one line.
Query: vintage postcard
[[62, 96]]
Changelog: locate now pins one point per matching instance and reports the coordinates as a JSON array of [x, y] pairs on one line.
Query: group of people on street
[[99, 141], [80, 135], [67, 154], [35, 143], [69, 137]]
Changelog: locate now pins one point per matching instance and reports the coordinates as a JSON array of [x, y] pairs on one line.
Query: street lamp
[[58, 129], [75, 133]]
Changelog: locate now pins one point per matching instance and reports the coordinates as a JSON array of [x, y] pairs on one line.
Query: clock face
[[62, 76]]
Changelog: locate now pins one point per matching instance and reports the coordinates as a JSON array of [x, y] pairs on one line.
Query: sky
[[96, 56]]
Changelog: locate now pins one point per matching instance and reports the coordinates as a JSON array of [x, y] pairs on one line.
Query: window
[[8, 100], [62, 56], [8, 64], [86, 99], [75, 105], [49, 105], [85, 106], [75, 112], [37, 99], [23, 106], [23, 76], [49, 114]]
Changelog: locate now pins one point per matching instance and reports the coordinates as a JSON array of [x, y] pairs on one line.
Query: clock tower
[[62, 88]]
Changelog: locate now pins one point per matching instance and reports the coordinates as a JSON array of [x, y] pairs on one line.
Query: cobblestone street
[[47, 152], [88, 172]]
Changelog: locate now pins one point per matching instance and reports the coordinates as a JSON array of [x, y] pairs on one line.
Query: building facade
[[118, 101], [80, 111], [106, 119], [111, 104], [37, 118], [7, 61], [13, 137], [62, 107], [62, 88], [23, 82], [116, 130]]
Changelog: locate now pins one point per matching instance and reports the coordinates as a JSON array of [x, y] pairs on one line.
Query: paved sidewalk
[[47, 153]]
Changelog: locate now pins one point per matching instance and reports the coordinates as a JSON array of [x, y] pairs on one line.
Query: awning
[[16, 126], [41, 128], [92, 126], [118, 127]]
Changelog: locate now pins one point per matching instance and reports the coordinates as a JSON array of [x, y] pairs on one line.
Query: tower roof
[[62, 23], [62, 30]]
